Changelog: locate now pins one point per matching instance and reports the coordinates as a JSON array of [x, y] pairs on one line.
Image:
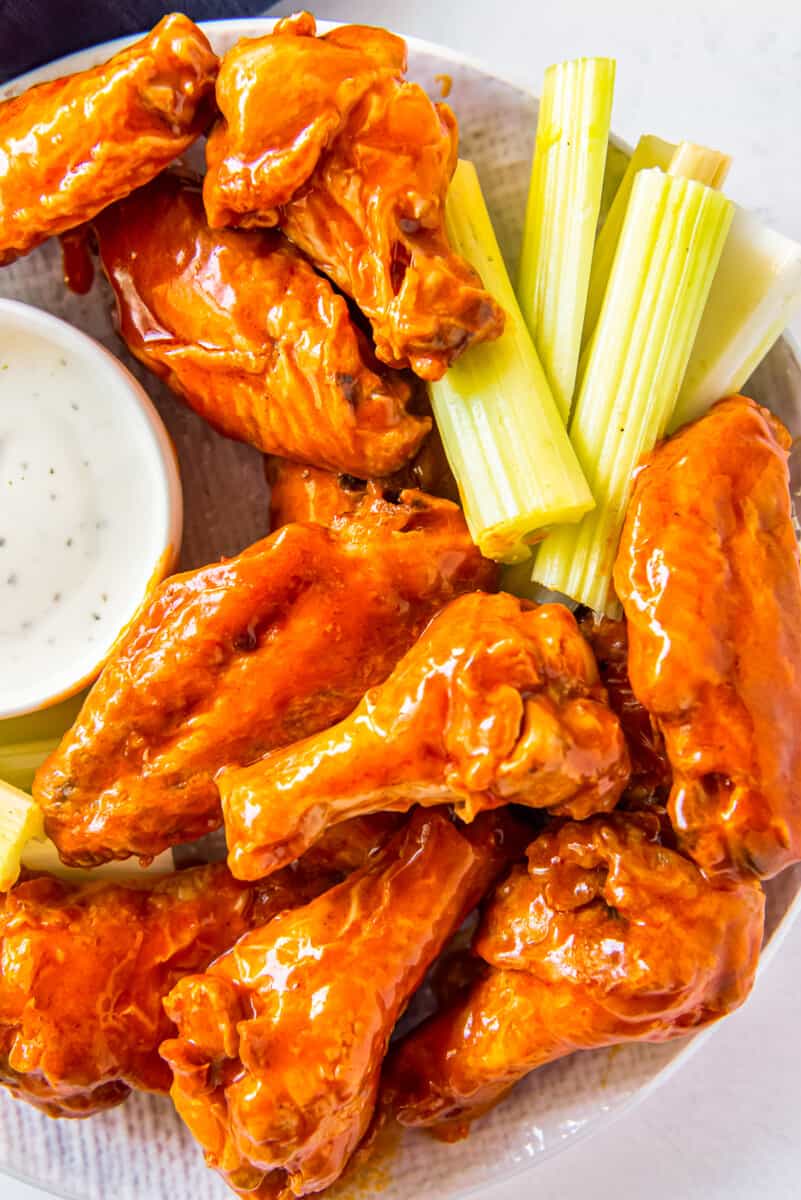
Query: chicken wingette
[[608, 936], [324, 137], [242, 327], [708, 574], [72, 146]]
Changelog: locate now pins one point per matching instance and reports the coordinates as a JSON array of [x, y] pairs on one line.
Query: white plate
[[140, 1151]]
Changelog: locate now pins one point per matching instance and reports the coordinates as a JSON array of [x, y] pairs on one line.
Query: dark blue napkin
[[33, 32]]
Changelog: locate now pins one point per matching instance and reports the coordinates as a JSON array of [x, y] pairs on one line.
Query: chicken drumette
[[608, 936], [708, 574], [229, 661], [281, 1041], [324, 137], [498, 702], [71, 146], [251, 336]]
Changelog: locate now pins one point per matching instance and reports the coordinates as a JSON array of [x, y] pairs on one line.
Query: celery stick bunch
[[669, 248], [507, 445]]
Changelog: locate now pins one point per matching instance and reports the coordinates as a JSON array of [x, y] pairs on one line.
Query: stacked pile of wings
[[388, 740]]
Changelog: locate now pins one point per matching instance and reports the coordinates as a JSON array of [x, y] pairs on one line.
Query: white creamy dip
[[86, 495]]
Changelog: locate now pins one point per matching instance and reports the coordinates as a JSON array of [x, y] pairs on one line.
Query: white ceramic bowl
[[92, 510], [141, 1151]]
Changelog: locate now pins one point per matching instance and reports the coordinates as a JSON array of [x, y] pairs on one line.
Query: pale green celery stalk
[[506, 443], [755, 291], [564, 201], [617, 161], [649, 152], [669, 249], [685, 160]]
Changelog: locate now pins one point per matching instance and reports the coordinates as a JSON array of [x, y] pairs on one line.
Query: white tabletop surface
[[727, 1127]]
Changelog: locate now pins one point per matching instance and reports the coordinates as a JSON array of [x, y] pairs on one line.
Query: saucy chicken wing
[[229, 661], [256, 341], [609, 936], [497, 702], [71, 146], [281, 1041], [324, 137], [84, 967], [708, 574], [302, 493]]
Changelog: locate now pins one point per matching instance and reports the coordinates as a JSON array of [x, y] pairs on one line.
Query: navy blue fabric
[[33, 32]]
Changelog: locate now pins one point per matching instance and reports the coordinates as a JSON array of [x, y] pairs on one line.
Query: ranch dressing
[[82, 514]]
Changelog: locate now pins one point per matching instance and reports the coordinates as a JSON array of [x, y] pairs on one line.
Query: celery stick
[[756, 289], [564, 200], [687, 161], [649, 152], [505, 441], [668, 252], [20, 820]]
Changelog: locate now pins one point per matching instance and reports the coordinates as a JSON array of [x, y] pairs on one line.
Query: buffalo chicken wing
[[324, 137], [608, 936], [251, 336], [498, 701], [229, 661], [708, 574], [72, 146], [281, 1041]]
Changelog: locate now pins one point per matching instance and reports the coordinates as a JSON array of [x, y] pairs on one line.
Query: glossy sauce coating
[[77, 263], [708, 574], [251, 336], [83, 970], [281, 1041], [229, 661], [497, 702], [324, 137], [608, 936], [72, 146], [302, 493], [84, 967], [650, 769]]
